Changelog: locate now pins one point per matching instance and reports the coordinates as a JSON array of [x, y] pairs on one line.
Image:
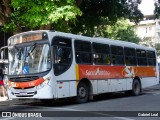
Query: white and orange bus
[[51, 65]]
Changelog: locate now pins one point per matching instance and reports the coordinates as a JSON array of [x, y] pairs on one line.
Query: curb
[[155, 87]]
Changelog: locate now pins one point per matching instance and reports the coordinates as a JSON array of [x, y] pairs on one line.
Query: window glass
[[151, 58], [62, 54], [141, 53], [82, 46], [130, 56], [151, 54], [83, 52], [29, 59], [141, 57], [100, 48], [117, 55], [117, 50], [101, 53]]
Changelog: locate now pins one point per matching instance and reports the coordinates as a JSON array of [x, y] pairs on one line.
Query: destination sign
[[26, 38]]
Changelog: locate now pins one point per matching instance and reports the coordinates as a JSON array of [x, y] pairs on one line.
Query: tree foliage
[[102, 12], [36, 14], [122, 30], [113, 9], [76, 16], [157, 9]]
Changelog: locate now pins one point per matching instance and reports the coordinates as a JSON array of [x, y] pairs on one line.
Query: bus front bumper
[[45, 92]]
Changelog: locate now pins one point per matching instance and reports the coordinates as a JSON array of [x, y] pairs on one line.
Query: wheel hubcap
[[82, 92]]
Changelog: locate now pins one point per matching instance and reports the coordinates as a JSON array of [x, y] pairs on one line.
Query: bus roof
[[92, 39], [104, 40]]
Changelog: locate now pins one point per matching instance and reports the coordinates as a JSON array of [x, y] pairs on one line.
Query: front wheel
[[82, 93], [136, 88]]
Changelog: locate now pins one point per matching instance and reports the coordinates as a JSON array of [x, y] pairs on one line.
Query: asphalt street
[[115, 106]]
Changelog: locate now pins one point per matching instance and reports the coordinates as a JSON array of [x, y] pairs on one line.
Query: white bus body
[[46, 65]]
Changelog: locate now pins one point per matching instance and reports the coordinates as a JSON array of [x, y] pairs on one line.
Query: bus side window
[[117, 55], [151, 58], [130, 56], [101, 54], [83, 52], [62, 54], [141, 57], [113, 60]]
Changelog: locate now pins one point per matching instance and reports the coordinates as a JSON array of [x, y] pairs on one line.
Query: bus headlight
[[46, 81]]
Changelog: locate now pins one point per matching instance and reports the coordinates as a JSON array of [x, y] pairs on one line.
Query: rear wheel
[[136, 87], [82, 93]]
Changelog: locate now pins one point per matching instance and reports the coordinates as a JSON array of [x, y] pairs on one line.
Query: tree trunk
[[45, 27], [78, 2]]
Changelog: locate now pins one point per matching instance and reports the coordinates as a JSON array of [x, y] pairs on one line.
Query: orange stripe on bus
[[26, 84], [105, 72]]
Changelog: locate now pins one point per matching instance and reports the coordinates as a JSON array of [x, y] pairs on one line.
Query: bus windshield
[[29, 59]]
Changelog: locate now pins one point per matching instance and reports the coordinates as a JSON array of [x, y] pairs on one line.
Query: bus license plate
[[23, 93]]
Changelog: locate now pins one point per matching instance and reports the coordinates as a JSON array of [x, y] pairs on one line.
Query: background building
[[147, 30]]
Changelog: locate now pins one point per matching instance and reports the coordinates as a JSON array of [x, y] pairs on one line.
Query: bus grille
[[28, 94], [23, 88], [24, 79]]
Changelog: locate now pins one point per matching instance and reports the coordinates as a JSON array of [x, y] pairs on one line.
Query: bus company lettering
[[97, 72]]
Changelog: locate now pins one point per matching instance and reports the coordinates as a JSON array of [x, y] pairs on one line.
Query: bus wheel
[[82, 93], [136, 87]]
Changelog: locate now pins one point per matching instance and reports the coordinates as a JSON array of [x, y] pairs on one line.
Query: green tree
[[105, 12], [122, 30], [157, 9], [37, 14], [66, 15]]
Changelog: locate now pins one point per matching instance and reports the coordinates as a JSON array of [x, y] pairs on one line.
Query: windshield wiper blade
[[31, 49]]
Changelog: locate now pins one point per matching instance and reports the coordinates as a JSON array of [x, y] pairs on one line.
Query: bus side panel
[[66, 89], [72, 88], [103, 86], [129, 82], [94, 86], [150, 81], [118, 85], [69, 87], [62, 89]]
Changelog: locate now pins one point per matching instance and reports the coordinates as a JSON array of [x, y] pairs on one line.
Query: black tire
[[128, 92], [46, 101], [136, 87], [82, 93]]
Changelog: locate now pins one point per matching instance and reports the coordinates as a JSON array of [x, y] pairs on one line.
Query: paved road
[[115, 106]]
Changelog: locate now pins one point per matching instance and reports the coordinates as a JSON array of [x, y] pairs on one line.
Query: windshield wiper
[[31, 49]]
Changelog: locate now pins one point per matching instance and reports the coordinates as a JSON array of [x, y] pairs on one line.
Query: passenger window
[[141, 57], [83, 52], [151, 57], [62, 54], [130, 56], [117, 55], [101, 53]]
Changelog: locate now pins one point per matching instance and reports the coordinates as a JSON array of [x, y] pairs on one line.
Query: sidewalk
[[154, 87], [3, 99]]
